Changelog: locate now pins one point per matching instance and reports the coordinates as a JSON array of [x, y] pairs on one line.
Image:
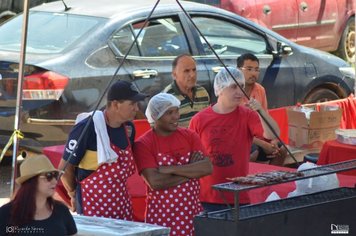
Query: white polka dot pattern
[[174, 207], [104, 192]]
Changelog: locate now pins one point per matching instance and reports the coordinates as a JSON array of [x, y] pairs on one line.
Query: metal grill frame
[[309, 173]]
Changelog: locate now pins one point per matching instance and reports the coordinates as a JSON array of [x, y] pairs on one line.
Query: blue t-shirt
[[117, 137]]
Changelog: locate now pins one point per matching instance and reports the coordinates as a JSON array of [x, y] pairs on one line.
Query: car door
[[149, 63], [230, 39], [317, 23], [280, 16]]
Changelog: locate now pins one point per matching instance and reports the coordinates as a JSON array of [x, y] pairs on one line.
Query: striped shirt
[[188, 108]]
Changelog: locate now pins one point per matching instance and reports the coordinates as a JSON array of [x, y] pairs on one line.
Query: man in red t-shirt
[[226, 130], [263, 150], [171, 160]]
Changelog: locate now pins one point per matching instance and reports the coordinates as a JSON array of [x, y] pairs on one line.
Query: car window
[[160, 37], [47, 32], [227, 38], [122, 41]]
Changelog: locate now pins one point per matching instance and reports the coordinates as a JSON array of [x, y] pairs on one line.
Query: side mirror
[[286, 50], [282, 50]]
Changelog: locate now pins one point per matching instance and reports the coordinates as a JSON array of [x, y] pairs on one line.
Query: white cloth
[[104, 151], [316, 184], [272, 197]]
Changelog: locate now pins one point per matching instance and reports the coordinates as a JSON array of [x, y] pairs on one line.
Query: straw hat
[[33, 166]]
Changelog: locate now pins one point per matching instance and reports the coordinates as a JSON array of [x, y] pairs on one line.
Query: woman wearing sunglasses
[[33, 211]]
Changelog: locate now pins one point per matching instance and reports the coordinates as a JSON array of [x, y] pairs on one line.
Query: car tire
[[346, 48], [321, 95]]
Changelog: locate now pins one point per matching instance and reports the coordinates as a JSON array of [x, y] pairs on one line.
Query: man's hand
[[270, 148], [72, 194], [277, 152], [73, 207], [254, 104], [196, 156]]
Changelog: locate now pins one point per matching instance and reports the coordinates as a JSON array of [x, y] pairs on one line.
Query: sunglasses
[[50, 175]]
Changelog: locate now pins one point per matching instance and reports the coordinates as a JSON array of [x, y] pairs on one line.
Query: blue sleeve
[[88, 142]]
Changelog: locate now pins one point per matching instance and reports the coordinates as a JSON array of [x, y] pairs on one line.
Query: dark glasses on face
[[50, 175]]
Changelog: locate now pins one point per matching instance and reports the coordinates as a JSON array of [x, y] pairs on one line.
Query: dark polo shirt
[[188, 108]]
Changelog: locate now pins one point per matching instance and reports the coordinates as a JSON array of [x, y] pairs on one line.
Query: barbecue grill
[[320, 213]]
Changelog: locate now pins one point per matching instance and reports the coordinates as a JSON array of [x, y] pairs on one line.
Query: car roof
[[111, 8]]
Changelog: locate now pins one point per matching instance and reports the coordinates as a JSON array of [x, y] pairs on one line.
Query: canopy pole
[[19, 94]]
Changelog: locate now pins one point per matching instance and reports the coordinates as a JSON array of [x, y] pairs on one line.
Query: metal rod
[[19, 94], [106, 89], [237, 207]]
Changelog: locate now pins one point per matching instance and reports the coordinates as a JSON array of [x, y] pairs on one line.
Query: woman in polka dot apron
[[171, 160]]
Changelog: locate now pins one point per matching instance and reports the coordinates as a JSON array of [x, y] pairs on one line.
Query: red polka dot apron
[[104, 192], [174, 207]]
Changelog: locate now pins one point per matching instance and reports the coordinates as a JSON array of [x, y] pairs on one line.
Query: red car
[[328, 25]]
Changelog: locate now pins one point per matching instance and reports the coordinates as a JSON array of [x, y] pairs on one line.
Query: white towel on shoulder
[[104, 151]]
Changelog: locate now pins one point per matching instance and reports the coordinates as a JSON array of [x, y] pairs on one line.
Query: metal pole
[[19, 93], [237, 206]]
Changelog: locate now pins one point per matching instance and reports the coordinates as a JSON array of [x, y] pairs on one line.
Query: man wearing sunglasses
[[263, 150], [100, 164]]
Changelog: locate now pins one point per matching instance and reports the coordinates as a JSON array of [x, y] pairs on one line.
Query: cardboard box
[[313, 132]]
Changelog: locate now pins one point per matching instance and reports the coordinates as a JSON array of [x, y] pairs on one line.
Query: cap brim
[[139, 97]]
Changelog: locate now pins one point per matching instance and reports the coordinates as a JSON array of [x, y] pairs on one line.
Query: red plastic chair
[[280, 116], [135, 183], [141, 126]]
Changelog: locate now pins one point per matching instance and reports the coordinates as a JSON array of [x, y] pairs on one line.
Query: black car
[[9, 8], [73, 53]]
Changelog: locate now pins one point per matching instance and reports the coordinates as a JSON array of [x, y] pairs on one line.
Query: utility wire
[[90, 119]]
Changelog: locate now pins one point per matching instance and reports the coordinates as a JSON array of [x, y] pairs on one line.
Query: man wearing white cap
[[226, 130], [171, 159]]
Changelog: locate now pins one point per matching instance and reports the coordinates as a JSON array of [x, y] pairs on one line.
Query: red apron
[[104, 192], [174, 207]]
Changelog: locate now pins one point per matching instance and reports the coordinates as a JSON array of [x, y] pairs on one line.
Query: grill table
[[309, 173], [312, 214]]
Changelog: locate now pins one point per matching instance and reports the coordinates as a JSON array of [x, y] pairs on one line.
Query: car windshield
[[47, 32]]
